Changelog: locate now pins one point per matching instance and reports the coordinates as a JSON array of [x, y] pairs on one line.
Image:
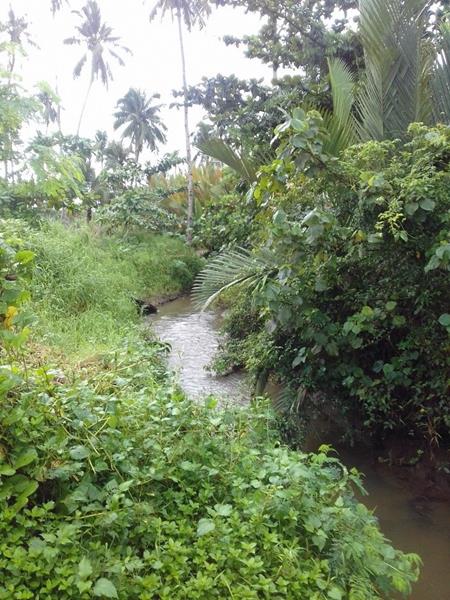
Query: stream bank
[[421, 527]]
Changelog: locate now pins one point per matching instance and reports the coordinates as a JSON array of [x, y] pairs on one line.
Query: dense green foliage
[[332, 255], [352, 293], [138, 493]]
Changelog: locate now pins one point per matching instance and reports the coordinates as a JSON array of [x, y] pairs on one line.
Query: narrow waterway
[[423, 529]]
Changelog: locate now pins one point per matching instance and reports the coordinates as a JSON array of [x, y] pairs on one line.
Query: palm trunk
[[12, 63], [58, 112], [83, 108], [275, 65], [190, 186]]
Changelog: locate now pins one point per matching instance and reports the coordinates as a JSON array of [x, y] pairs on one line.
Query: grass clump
[[85, 283]]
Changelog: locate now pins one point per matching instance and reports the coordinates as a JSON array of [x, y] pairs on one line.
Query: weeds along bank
[[114, 485], [85, 283]]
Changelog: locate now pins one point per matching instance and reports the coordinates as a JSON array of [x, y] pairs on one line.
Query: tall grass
[[85, 283]]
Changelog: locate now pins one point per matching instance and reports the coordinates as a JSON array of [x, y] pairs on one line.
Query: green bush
[[139, 209], [85, 282], [356, 311], [118, 487], [227, 221]]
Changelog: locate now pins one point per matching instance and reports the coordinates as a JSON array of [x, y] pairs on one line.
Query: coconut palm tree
[[98, 40], [50, 103], [189, 12], [140, 118], [115, 155], [17, 35]]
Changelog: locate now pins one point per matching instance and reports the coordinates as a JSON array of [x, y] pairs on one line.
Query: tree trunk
[[12, 63], [58, 112], [275, 65], [190, 186], [83, 108]]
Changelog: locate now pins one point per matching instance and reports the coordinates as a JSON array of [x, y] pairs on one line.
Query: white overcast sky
[[154, 65]]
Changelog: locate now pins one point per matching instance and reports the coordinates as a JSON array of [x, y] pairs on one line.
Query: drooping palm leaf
[[216, 148], [340, 123], [229, 269]]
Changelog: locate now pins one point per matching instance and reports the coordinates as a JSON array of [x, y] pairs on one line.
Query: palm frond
[[232, 268], [219, 150], [340, 123], [79, 66], [392, 34], [440, 80]]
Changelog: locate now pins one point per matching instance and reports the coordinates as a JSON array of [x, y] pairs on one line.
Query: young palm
[[98, 40], [189, 12], [143, 125]]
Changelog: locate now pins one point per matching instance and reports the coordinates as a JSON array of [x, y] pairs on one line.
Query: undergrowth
[[85, 283], [137, 493], [114, 485]]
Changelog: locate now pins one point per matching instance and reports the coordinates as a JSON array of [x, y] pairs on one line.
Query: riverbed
[[423, 528]]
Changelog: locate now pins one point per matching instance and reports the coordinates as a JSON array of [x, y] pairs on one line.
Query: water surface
[[194, 338]]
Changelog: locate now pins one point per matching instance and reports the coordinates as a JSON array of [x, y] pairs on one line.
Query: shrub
[[139, 209]]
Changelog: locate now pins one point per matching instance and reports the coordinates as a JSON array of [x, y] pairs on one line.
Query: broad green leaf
[[224, 510], [411, 207], [105, 587], [445, 320], [25, 458], [205, 526], [367, 311], [24, 256], [6, 470], [84, 568], [79, 452], [427, 204]]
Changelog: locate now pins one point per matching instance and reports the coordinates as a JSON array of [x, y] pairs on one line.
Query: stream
[[194, 338]]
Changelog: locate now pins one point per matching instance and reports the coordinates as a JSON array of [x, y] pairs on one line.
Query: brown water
[[194, 339], [424, 530]]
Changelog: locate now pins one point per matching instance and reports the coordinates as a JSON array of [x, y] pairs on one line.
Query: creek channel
[[422, 527]]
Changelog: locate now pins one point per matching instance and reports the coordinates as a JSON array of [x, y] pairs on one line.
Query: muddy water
[[423, 528], [194, 339]]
